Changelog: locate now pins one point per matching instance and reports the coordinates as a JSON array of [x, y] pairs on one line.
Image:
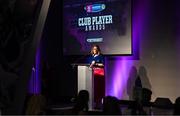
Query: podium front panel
[[86, 82]]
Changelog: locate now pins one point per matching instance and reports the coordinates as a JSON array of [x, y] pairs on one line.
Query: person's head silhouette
[[177, 106], [111, 106], [81, 101]]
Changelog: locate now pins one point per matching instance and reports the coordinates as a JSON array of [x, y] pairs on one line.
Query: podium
[[86, 81], [94, 84]]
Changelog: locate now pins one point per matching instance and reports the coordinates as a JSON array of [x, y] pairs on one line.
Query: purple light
[[120, 77], [38, 72], [35, 84], [116, 81]]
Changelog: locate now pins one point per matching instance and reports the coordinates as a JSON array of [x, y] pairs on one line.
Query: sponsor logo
[[94, 8]]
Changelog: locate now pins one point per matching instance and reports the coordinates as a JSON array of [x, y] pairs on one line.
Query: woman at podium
[[96, 58], [96, 61]]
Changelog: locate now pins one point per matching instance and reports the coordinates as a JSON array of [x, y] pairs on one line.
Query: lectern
[[92, 80], [86, 81]]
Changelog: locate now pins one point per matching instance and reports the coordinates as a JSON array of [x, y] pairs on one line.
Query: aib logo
[[94, 8]]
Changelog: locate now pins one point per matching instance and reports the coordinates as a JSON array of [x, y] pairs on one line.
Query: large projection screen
[[106, 23]]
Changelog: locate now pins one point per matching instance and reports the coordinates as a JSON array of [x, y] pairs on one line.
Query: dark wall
[[61, 77], [18, 20]]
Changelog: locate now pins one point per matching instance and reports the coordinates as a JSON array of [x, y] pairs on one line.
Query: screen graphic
[[105, 23]]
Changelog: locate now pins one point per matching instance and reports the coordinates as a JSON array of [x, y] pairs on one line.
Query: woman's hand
[[92, 64]]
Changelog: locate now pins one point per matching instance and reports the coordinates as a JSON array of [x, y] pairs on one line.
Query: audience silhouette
[[81, 102], [111, 106], [138, 89], [177, 106]]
